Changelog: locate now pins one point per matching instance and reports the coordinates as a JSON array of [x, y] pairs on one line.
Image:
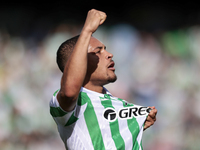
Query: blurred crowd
[[158, 69]]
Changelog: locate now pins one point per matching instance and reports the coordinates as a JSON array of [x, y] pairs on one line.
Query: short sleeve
[[60, 116]]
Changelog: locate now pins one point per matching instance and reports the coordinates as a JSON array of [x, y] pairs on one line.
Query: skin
[[100, 67], [90, 66]]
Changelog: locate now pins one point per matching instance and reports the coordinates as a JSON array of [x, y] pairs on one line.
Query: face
[[100, 64]]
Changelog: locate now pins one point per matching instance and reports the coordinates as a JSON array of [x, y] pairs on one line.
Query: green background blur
[[156, 48]]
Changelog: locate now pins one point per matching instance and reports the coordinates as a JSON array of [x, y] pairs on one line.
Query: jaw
[[112, 79], [100, 77], [111, 76]]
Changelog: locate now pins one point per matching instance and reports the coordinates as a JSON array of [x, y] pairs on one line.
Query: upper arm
[[67, 103]]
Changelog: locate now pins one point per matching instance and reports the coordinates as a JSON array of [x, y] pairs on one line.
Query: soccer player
[[87, 115]]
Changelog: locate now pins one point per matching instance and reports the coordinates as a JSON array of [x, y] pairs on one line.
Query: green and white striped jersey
[[100, 122]]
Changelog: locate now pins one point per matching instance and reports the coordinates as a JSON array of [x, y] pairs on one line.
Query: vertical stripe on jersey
[[141, 145], [91, 122], [139, 138], [114, 127], [133, 127]]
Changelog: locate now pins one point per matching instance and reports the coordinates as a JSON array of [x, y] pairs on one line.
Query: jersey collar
[[95, 93]]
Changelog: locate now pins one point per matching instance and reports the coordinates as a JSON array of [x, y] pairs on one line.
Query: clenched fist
[[151, 118], [93, 20]]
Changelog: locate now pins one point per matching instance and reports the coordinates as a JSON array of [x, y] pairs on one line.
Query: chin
[[112, 79]]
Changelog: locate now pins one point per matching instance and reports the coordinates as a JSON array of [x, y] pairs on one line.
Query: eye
[[98, 51]]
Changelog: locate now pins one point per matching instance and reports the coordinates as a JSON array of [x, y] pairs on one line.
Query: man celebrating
[[87, 115]]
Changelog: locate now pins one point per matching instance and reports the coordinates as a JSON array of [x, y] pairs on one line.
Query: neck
[[95, 88]]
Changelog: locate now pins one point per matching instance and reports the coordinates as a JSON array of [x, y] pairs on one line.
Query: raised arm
[[76, 67]]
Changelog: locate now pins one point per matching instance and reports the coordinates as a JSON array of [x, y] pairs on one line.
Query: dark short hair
[[64, 52]]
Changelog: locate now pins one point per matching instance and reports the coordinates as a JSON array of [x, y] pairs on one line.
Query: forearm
[[76, 67]]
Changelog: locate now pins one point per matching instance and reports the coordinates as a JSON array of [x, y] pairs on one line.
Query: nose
[[109, 55]]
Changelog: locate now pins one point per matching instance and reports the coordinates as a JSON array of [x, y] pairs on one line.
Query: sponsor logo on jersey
[[110, 114]]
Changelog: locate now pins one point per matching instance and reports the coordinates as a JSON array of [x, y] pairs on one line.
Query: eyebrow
[[99, 47]]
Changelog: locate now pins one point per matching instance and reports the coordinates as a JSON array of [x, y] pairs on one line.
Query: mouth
[[111, 66]]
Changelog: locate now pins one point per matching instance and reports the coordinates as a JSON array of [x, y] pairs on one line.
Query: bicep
[[66, 103]]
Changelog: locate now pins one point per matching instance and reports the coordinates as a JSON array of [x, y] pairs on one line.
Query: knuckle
[[92, 10]]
